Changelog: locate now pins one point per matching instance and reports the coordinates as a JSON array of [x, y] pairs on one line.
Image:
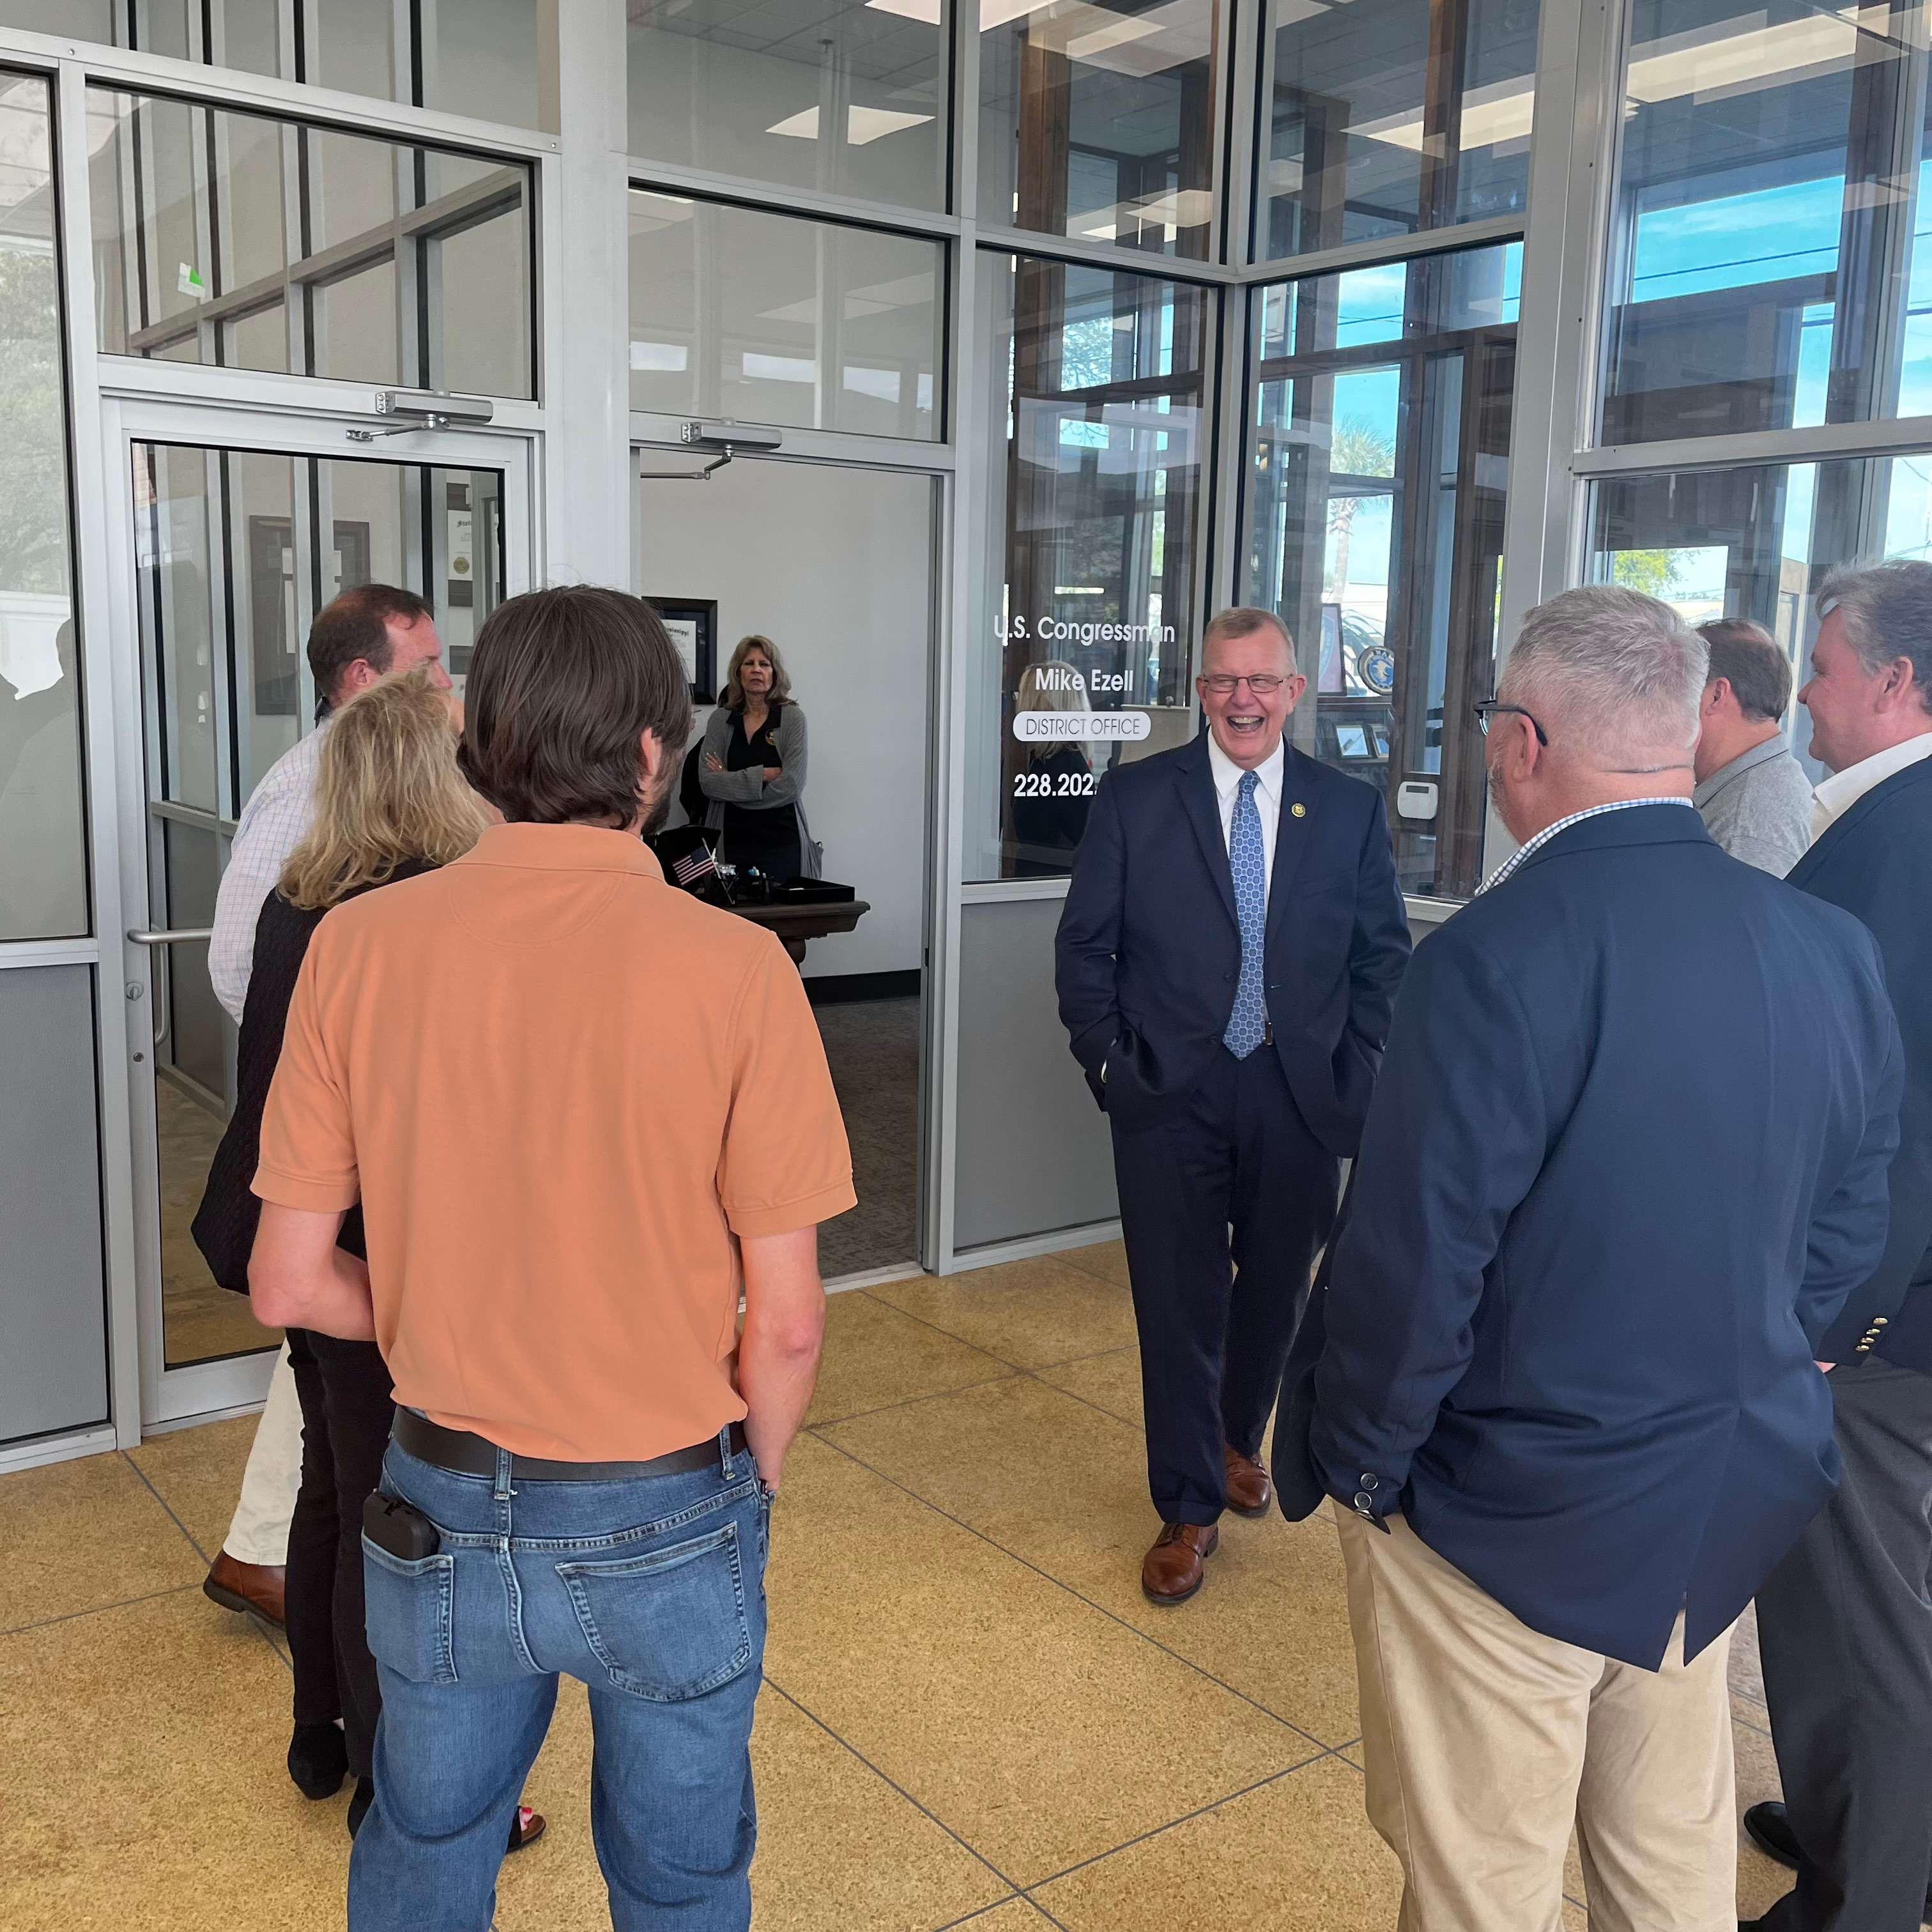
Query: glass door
[[233, 550]]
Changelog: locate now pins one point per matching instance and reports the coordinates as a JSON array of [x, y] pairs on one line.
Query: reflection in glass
[[43, 837], [1766, 266], [1095, 512], [1374, 525], [481, 58], [1099, 122], [1385, 118], [378, 292], [1756, 542], [769, 319], [846, 96]]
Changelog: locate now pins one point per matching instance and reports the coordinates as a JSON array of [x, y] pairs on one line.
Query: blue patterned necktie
[[1248, 1022]]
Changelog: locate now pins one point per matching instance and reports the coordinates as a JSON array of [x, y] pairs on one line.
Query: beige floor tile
[[1065, 1489], [83, 1534], [1298, 1856], [1575, 1919], [1108, 1259], [1761, 1882], [875, 1356], [143, 1784], [198, 1474], [1111, 1381], [1028, 1312], [838, 1847], [1039, 1730], [1015, 1915]]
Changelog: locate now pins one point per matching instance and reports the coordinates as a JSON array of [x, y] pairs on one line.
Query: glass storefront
[[765, 319], [1383, 118], [1097, 495], [1100, 123], [251, 243], [1377, 478]]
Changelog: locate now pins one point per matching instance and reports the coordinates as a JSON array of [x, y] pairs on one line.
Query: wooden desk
[[797, 924]]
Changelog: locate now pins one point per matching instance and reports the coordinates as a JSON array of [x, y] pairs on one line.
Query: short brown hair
[[734, 692], [1746, 656], [387, 791], [562, 684], [356, 625]]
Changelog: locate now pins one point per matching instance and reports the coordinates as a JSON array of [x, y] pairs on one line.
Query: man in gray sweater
[[1753, 795]]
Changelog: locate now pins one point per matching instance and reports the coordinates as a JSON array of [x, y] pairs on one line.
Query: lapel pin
[[1299, 810]]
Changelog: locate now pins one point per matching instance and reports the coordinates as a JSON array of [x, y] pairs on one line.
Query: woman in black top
[[752, 766], [390, 806]]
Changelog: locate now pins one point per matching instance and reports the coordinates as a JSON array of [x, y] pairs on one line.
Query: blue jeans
[[652, 1591]]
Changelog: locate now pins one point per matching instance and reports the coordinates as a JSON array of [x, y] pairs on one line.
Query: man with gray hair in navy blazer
[[1626, 1161], [1226, 962]]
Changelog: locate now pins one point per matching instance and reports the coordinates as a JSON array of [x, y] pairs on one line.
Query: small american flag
[[695, 864]]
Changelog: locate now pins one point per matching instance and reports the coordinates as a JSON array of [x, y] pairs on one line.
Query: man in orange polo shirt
[[582, 1112]]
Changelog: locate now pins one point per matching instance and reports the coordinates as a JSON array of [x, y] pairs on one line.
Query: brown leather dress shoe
[[1249, 1492], [1173, 1569], [254, 1587]]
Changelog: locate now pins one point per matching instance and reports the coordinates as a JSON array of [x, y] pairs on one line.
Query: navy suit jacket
[[1626, 1160], [1149, 949], [1876, 861]]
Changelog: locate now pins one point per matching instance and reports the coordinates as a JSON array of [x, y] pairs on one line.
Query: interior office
[[1075, 321]]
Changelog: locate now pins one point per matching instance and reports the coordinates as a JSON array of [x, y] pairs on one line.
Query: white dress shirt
[[1843, 789], [1227, 777], [273, 823]]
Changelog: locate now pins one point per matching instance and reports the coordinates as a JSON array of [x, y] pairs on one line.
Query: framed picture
[[693, 626]]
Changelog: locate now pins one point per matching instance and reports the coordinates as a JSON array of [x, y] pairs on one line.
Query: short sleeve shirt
[[559, 1087]]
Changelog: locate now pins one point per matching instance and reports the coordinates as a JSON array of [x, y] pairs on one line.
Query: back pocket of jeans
[[668, 1625], [409, 1613]]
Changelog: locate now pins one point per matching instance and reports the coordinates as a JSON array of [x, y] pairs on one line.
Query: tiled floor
[[972, 1717]]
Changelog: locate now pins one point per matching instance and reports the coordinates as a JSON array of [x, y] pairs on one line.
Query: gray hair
[[1612, 675], [1243, 620], [1887, 613]]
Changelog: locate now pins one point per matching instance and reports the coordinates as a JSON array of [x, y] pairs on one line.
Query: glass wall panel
[[486, 58], [845, 96], [1374, 525], [1755, 541], [43, 837], [1765, 270], [1385, 117], [1099, 122], [1096, 441], [308, 250], [768, 319]]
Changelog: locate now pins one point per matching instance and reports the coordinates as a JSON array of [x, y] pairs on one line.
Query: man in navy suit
[[1845, 1621], [1626, 1160], [1226, 965]]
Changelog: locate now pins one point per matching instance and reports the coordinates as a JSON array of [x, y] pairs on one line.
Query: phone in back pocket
[[399, 1528]]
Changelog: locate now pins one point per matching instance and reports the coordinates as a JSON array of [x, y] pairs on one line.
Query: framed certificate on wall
[[693, 625]]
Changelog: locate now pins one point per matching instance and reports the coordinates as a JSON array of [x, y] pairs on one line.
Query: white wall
[[835, 566]]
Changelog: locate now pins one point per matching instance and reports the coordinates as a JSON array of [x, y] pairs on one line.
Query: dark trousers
[[1845, 1627], [1216, 1312], [344, 1390]]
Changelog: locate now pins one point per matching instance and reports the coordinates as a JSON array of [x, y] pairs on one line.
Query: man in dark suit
[[1226, 965], [1845, 1621], [1626, 1160]]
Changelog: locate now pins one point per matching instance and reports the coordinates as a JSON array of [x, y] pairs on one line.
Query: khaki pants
[[1485, 1741], [259, 1531]]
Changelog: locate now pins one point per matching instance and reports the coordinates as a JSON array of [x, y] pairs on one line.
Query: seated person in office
[[1752, 794], [389, 804], [752, 767], [1053, 789]]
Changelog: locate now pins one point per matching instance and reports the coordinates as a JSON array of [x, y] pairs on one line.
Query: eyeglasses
[[1489, 708], [1222, 685]]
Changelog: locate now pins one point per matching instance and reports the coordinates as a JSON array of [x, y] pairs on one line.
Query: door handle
[[183, 933], [164, 1003]]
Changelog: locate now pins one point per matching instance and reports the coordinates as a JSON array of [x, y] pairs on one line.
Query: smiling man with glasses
[[1227, 962]]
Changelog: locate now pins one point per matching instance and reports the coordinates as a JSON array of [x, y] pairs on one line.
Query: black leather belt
[[468, 1455]]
